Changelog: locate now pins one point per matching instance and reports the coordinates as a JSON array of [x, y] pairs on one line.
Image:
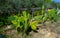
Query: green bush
[[52, 15], [23, 22]]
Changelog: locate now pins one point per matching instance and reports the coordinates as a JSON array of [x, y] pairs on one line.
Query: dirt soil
[[49, 30]]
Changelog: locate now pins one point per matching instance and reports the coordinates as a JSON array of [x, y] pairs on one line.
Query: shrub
[[23, 22]]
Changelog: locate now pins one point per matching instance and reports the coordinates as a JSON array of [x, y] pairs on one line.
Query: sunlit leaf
[[33, 25]]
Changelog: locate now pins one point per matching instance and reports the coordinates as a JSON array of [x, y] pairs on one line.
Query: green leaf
[[52, 14], [24, 13], [11, 18], [44, 19], [37, 17], [33, 25], [47, 1]]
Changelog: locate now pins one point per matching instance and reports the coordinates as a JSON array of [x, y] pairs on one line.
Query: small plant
[[52, 15], [23, 22]]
